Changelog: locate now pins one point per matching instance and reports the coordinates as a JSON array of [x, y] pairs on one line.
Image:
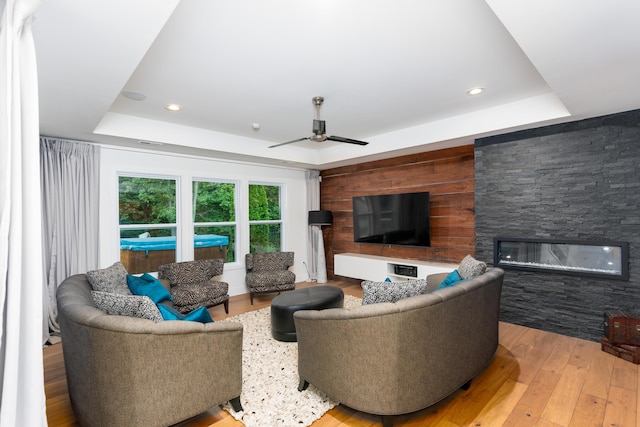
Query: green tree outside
[[264, 205], [147, 201], [215, 202]]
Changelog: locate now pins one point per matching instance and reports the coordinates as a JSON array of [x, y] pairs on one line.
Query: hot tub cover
[[165, 243]]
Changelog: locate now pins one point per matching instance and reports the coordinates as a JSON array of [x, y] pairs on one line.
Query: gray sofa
[[396, 358], [128, 371]]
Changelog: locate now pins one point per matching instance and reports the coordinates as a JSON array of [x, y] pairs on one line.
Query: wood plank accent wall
[[448, 176]]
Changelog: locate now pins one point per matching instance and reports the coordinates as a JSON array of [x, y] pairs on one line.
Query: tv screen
[[392, 219]]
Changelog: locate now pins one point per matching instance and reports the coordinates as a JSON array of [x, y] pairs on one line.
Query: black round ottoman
[[313, 298]]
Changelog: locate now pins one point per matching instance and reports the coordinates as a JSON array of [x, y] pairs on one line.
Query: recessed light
[[255, 126], [475, 91], [172, 107], [136, 96]]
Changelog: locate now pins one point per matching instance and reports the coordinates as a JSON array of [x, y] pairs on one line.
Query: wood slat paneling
[[448, 176]]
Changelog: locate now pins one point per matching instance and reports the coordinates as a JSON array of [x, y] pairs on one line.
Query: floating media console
[[583, 258], [377, 268]]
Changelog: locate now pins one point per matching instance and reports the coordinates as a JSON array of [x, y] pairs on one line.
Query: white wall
[[116, 161]]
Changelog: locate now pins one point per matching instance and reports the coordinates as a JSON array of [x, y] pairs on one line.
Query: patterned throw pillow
[[375, 292], [126, 305], [111, 279], [470, 267]]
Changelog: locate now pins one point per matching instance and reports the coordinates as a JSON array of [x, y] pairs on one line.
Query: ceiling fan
[[319, 130]]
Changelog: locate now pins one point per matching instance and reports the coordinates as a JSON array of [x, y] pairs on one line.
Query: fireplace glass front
[[601, 259]]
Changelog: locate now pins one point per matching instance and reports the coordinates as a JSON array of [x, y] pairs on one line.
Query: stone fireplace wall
[[577, 181]]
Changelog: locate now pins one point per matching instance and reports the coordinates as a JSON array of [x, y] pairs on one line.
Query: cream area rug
[[270, 395]]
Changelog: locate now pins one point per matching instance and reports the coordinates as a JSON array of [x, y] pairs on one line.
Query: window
[[147, 221], [265, 218], [214, 220]]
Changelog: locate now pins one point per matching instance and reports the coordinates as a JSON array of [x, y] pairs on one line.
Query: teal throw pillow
[[147, 285], [452, 279], [200, 314]]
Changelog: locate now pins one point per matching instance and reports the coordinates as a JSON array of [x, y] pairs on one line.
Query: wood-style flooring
[[537, 378]]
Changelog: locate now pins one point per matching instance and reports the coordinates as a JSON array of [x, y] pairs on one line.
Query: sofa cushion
[[147, 285], [270, 278], [451, 280], [112, 279], [471, 267], [375, 292], [126, 305], [189, 296], [200, 314]]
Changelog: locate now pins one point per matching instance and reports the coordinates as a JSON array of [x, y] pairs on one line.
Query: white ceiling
[[393, 73]]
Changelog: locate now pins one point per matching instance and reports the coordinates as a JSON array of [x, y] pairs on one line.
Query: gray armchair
[[269, 272], [191, 285]]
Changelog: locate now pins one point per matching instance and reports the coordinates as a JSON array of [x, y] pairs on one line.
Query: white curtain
[[313, 204], [22, 400], [70, 185]]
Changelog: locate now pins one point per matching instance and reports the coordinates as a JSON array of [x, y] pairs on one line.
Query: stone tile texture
[[576, 181]]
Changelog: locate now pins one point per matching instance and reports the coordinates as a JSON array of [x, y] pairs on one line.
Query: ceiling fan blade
[[289, 142], [347, 140]]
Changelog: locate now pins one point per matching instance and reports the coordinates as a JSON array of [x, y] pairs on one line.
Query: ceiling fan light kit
[[319, 130]]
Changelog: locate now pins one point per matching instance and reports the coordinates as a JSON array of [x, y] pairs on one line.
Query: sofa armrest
[[434, 280], [165, 283], [348, 357]]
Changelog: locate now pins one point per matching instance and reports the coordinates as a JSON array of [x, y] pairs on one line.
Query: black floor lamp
[[320, 218]]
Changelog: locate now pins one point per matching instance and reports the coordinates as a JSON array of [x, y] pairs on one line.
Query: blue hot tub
[[145, 254]]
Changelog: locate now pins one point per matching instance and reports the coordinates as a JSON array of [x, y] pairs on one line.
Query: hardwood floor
[[537, 378]]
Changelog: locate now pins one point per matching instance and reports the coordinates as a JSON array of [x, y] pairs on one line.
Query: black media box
[[406, 270]]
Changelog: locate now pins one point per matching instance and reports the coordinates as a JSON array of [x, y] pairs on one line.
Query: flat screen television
[[392, 219]]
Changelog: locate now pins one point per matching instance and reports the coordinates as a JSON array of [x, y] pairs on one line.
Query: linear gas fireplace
[[582, 258]]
